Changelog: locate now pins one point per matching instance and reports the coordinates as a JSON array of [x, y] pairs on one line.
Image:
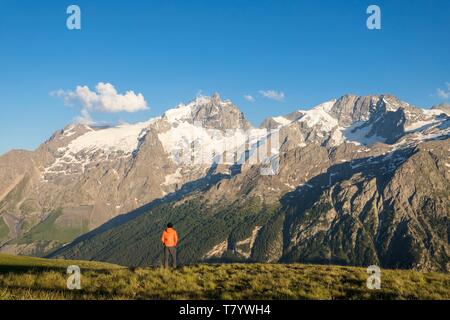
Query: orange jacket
[[169, 237]]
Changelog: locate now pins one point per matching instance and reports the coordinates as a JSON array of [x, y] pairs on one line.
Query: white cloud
[[85, 118], [249, 98], [272, 94], [104, 99], [444, 93]]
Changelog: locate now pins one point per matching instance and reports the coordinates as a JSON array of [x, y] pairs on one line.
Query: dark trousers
[[170, 251]]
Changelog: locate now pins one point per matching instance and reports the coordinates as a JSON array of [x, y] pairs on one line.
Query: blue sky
[[170, 50]]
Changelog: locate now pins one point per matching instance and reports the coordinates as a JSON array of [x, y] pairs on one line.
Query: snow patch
[[319, 116], [190, 144], [433, 112], [182, 112], [69, 132], [282, 120], [97, 145], [420, 125], [357, 134], [121, 138]]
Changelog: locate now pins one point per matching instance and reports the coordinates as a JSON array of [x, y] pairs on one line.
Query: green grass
[[31, 278], [18, 264], [47, 230]]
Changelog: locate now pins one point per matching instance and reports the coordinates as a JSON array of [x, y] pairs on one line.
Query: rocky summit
[[360, 180]]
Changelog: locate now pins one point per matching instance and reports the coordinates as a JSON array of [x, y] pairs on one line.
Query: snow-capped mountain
[[360, 120], [84, 176]]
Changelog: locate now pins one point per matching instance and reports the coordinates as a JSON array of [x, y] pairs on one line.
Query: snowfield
[[189, 143], [121, 138]]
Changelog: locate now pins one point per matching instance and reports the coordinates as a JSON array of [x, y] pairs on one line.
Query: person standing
[[169, 239]]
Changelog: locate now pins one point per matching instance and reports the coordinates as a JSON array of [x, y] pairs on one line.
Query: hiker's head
[[169, 225]]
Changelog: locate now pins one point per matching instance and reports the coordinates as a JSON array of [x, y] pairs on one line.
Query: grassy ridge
[[18, 264], [45, 279]]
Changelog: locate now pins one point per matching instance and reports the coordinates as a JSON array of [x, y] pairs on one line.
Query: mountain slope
[[206, 156], [20, 264], [398, 219]]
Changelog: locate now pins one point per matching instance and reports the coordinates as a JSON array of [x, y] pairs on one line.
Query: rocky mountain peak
[[443, 107], [209, 112], [351, 108], [216, 98]]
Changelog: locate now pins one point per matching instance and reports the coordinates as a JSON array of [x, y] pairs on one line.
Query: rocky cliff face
[[360, 180]]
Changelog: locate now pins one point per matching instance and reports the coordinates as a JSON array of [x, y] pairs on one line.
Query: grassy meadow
[[34, 278]]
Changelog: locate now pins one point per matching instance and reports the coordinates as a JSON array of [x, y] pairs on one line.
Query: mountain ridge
[[93, 175]]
